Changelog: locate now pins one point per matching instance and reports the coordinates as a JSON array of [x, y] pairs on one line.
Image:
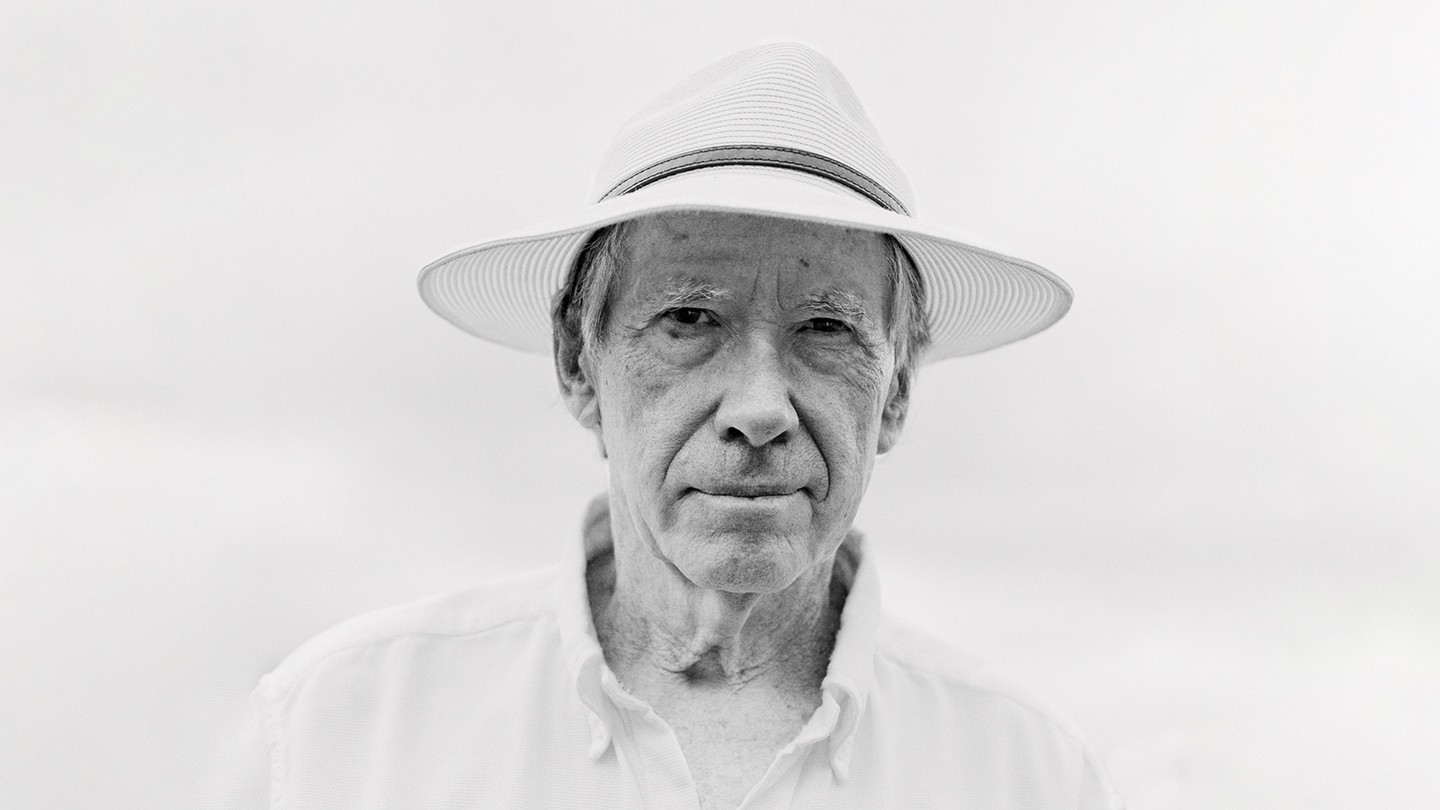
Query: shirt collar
[[845, 689], [852, 661], [578, 641]]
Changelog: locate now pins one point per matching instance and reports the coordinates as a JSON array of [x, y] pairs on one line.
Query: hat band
[[795, 159]]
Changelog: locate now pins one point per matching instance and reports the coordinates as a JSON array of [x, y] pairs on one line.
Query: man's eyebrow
[[839, 303], [681, 292]]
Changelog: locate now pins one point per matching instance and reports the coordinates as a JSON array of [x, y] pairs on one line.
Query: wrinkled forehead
[[747, 255]]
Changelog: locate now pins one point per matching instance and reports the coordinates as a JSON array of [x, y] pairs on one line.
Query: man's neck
[[659, 631]]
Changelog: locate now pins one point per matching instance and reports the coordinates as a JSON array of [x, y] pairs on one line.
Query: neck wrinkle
[[783, 640], [848, 679]]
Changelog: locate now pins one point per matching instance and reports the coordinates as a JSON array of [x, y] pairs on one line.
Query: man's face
[[742, 391]]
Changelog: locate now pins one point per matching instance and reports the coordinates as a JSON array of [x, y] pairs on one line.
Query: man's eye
[[689, 316], [827, 325]]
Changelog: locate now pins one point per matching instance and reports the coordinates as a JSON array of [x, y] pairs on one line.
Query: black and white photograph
[[820, 405]]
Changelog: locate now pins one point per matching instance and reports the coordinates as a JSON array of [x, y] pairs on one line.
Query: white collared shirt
[[499, 696]]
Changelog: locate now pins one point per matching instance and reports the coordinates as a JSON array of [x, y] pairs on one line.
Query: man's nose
[[755, 406]]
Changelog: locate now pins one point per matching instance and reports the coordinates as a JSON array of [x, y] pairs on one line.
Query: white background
[[1198, 515]]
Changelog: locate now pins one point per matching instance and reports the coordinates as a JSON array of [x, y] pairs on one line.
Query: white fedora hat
[[774, 130]]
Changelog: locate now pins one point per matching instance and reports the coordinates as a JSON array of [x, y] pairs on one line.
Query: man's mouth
[[749, 490]]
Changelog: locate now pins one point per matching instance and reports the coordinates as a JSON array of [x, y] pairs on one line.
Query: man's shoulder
[[965, 678], [957, 705], [467, 612], [908, 646]]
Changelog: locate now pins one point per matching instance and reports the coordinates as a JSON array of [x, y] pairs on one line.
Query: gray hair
[[580, 309]]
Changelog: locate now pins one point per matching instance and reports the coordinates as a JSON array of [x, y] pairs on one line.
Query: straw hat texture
[[773, 130]]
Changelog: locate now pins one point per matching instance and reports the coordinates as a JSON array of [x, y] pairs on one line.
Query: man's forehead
[[719, 229], [715, 256]]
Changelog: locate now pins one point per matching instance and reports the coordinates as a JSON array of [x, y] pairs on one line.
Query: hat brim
[[976, 299]]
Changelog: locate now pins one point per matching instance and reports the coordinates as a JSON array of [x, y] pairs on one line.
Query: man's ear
[[577, 386], [892, 417]]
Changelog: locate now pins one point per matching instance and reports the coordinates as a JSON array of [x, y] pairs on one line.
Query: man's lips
[[748, 490]]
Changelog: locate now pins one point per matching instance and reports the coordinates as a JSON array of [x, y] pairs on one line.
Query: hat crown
[[780, 104]]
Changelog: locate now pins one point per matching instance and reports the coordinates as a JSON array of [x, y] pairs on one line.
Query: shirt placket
[[650, 752], [778, 785]]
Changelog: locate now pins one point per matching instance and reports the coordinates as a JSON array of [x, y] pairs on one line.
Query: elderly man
[[737, 317]]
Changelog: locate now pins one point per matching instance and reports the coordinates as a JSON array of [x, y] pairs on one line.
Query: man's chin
[[742, 564]]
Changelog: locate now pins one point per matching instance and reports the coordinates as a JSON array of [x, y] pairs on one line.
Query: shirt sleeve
[[245, 778]]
